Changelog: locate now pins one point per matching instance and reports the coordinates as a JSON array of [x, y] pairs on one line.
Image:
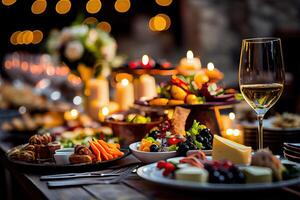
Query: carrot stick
[[95, 151], [106, 155]]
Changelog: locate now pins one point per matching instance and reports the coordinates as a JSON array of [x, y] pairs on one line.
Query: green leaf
[[198, 144]]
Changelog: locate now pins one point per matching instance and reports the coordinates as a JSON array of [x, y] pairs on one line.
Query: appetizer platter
[[231, 167], [191, 91], [42, 153], [170, 139]]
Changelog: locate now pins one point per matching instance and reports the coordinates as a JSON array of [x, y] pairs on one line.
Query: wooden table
[[28, 186]]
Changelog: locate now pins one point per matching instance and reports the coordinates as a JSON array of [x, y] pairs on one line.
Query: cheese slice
[[192, 174], [256, 174], [229, 150]]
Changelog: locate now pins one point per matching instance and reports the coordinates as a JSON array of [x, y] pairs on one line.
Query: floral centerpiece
[[84, 49]]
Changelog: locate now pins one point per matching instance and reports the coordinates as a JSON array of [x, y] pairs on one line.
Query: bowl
[[150, 157], [129, 132], [61, 156]]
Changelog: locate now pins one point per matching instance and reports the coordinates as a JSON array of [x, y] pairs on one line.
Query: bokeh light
[[13, 37], [63, 6], [90, 20], [26, 37], [122, 6], [164, 2], [37, 36], [93, 6], [160, 22], [39, 6], [105, 26], [8, 2]]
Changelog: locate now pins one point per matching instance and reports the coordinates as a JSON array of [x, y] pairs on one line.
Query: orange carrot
[[95, 151], [104, 145], [106, 155], [117, 146]]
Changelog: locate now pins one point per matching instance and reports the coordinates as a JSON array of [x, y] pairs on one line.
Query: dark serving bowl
[[129, 132]]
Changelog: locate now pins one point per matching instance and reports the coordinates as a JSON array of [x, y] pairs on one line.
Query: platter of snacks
[[280, 122], [231, 167], [132, 126], [42, 153], [169, 139], [191, 91]]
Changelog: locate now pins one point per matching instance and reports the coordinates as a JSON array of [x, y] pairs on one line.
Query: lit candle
[[98, 90], [189, 64], [71, 115], [147, 62], [104, 111], [124, 95], [213, 74], [145, 87], [234, 135]]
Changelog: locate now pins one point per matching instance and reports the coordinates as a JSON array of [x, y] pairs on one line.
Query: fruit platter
[[170, 139], [231, 167], [192, 90], [43, 153]]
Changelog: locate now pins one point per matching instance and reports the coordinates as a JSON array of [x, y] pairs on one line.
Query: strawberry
[[169, 168], [161, 164]]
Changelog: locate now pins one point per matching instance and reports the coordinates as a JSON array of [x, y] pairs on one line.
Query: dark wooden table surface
[[20, 185]]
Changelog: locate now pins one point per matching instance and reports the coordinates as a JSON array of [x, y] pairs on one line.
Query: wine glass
[[261, 76]]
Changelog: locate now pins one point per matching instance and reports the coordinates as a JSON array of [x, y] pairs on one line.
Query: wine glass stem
[[260, 131]]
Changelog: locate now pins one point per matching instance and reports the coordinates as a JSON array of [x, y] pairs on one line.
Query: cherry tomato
[[173, 141]]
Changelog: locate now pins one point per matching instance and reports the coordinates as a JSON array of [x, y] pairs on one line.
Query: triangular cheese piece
[[232, 151]]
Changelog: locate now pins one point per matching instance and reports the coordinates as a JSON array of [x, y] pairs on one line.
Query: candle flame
[[231, 116], [74, 113], [210, 66], [189, 55], [236, 132], [145, 60], [124, 82], [229, 131], [105, 111]]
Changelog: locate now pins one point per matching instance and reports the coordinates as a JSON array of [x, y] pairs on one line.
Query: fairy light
[[63, 6], [122, 6], [38, 6], [93, 6]]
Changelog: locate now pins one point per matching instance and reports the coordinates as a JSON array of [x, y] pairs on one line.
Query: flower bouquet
[[86, 50]]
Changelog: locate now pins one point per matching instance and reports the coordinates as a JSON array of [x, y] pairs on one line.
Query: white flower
[[109, 51], [74, 50], [79, 31]]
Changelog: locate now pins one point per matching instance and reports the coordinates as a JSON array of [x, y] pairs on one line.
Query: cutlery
[[82, 175], [69, 183]]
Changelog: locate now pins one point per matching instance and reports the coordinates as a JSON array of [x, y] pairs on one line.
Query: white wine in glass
[[261, 76]]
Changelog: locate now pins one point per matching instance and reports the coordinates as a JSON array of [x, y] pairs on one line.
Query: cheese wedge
[[229, 150], [192, 174]]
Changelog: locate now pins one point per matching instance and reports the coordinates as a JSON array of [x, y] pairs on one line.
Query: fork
[[116, 172], [68, 183]]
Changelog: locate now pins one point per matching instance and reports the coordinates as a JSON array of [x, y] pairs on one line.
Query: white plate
[[151, 173], [268, 125], [150, 157]]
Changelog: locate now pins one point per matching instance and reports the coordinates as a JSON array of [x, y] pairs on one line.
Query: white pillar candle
[[124, 95], [98, 90], [145, 87]]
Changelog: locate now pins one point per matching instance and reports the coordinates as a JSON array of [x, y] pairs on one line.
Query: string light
[[93, 6], [122, 6], [105, 26], [26, 37], [63, 6], [37, 36], [164, 2], [160, 22], [39, 6], [8, 2], [90, 20]]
